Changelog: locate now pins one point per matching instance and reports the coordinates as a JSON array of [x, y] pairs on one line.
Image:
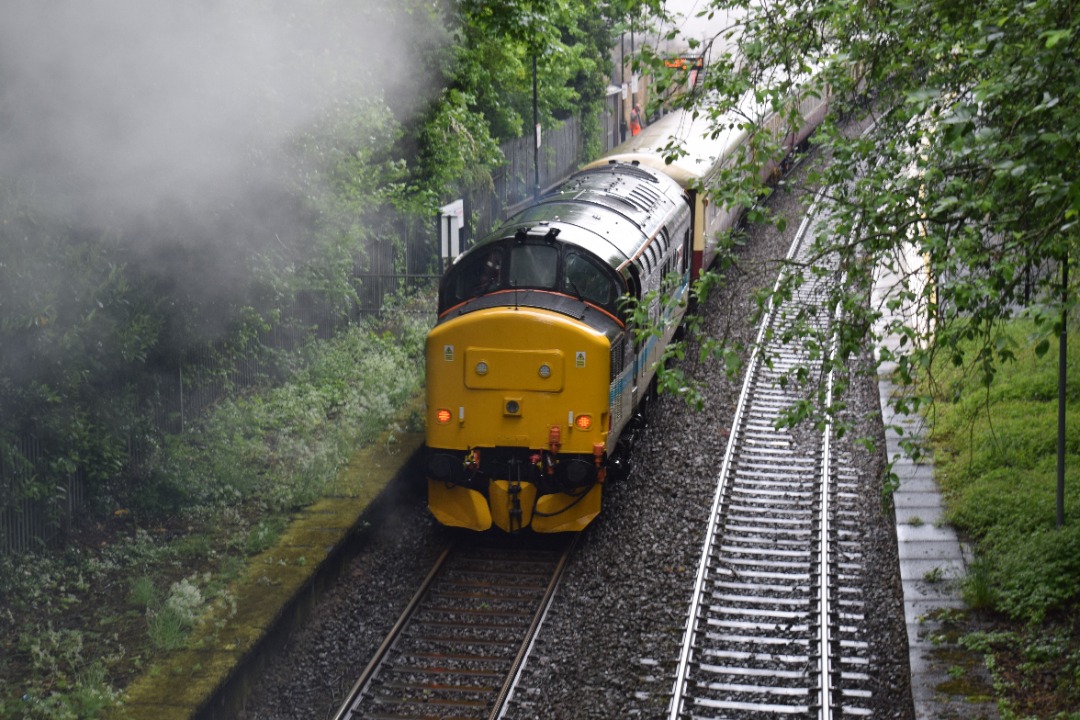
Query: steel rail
[[755, 643], [721, 487], [457, 649], [364, 680], [534, 630]]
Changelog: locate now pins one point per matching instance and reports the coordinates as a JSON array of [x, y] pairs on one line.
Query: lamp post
[[633, 75], [622, 87], [536, 134]]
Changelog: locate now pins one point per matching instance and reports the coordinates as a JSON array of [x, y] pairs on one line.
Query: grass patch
[[78, 624], [995, 453], [995, 458]]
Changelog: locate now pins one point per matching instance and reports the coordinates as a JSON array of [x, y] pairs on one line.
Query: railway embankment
[[279, 589]]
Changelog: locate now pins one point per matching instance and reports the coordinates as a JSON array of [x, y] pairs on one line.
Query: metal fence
[[514, 185], [182, 391], [33, 522]]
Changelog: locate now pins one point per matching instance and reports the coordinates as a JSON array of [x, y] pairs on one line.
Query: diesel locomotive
[[533, 366]]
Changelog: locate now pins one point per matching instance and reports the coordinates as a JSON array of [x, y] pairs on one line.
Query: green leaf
[[1053, 37]]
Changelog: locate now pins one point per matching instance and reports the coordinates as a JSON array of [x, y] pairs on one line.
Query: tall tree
[[970, 164]]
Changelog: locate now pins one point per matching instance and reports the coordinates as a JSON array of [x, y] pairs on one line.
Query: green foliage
[[995, 455], [1044, 666], [457, 148], [74, 687], [1039, 574], [70, 321], [651, 317], [348, 176], [488, 96], [966, 166], [279, 448], [221, 492], [569, 41], [169, 622], [143, 592]]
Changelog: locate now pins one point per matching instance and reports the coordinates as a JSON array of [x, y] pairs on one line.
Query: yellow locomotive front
[[518, 420], [532, 369]]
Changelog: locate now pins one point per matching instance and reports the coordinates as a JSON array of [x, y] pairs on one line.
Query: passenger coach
[[533, 369]]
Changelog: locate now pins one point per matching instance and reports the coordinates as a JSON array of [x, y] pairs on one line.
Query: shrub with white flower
[[184, 601]]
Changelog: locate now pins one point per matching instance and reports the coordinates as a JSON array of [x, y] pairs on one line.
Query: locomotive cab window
[[498, 268], [584, 278], [479, 275], [534, 266]]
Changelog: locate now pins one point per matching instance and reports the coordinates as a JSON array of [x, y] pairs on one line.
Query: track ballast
[[777, 612], [455, 650]]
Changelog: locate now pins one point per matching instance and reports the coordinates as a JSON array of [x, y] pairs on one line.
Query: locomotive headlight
[[513, 407], [442, 416], [545, 371], [583, 422], [481, 368]]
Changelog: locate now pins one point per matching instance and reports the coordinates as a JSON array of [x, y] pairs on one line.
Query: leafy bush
[[278, 448], [996, 459], [1039, 574]]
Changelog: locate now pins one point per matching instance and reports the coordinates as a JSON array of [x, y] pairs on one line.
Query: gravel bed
[[609, 646]]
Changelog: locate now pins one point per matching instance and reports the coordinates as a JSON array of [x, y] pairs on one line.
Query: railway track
[[456, 649], [776, 616]]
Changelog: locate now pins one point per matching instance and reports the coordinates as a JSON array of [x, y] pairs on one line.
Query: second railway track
[[776, 616]]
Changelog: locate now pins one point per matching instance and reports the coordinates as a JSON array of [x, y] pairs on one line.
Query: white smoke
[[117, 108]]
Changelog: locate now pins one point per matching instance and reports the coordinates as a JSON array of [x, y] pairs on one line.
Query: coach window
[[534, 266], [586, 279]]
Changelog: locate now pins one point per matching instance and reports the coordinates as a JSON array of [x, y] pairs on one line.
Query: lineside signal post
[[451, 222]]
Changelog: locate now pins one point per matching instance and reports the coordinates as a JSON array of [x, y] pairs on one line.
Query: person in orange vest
[[635, 120]]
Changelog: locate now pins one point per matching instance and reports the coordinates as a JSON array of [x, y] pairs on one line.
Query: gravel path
[[609, 647]]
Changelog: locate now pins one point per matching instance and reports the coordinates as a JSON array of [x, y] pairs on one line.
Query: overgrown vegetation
[[995, 457], [967, 169], [77, 625], [101, 305]]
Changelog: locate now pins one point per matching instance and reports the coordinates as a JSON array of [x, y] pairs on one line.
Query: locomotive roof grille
[[644, 198], [632, 168]]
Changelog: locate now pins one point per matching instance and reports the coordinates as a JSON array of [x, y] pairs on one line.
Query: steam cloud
[[117, 112]]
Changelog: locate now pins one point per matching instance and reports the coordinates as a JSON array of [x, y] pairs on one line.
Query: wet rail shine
[[775, 618]]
